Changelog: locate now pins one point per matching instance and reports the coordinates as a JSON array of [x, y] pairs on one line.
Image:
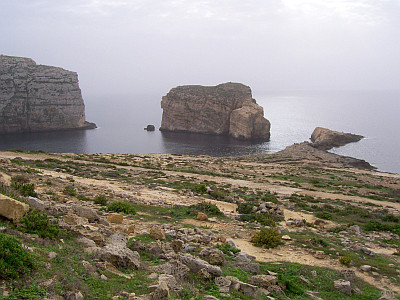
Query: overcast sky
[[140, 46]]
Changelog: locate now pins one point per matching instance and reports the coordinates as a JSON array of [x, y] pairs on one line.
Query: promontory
[[225, 109], [39, 98]]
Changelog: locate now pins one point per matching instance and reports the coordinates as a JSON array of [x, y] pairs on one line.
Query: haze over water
[[293, 117]]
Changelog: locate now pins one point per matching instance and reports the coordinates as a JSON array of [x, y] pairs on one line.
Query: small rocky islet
[[301, 223]]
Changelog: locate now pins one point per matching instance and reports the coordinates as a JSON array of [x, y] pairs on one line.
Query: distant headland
[[39, 98]]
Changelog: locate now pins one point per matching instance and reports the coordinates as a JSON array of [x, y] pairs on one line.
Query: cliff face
[[227, 109], [38, 98]]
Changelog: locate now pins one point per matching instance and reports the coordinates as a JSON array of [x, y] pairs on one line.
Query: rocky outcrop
[[225, 109], [326, 139], [12, 209], [39, 98]]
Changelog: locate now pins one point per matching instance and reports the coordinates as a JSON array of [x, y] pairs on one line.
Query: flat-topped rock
[[39, 98], [326, 139], [225, 109]]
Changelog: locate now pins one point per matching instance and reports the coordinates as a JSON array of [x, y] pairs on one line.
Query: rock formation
[[39, 98], [326, 139], [225, 109]]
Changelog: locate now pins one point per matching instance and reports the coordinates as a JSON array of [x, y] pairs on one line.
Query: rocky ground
[[110, 226]]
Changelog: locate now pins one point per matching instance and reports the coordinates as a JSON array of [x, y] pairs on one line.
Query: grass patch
[[122, 207], [38, 222]]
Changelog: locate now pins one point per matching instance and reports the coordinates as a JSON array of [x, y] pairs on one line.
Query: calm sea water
[[293, 117]]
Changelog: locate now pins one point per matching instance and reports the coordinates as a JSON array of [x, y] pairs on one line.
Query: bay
[[293, 116]]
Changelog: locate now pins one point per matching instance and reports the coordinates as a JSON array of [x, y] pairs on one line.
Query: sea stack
[[325, 139], [39, 98], [225, 109]]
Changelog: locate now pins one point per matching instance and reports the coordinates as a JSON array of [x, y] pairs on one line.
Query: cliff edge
[[39, 98], [225, 109]]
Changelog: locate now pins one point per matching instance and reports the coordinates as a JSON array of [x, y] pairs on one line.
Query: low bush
[[69, 190], [207, 208], [14, 260], [227, 249], [122, 206], [21, 184], [345, 260], [38, 222], [324, 215], [100, 199], [267, 238]]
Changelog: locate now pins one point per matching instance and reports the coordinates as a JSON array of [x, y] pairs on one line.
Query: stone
[[115, 218], [225, 109], [73, 219], [86, 212], [203, 274], [39, 98], [319, 254], [52, 255], [264, 281], [157, 233], [35, 203], [313, 295], [251, 267], [365, 268], [12, 209], [130, 229], [349, 275], [223, 284], [161, 292], [326, 139], [171, 282], [103, 277], [177, 245], [150, 128], [116, 253], [73, 296], [201, 216], [196, 264], [286, 238], [208, 297], [343, 286], [232, 243], [387, 295], [355, 229]]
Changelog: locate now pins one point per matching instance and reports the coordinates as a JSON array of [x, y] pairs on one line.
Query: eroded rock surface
[[225, 109], [326, 139], [38, 98]]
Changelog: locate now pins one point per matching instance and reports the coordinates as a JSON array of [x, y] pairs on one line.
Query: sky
[[124, 47]]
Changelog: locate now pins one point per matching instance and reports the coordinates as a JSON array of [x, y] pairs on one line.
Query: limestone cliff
[[39, 98], [326, 139], [225, 109]]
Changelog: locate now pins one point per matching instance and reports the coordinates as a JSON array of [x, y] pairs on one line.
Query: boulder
[[12, 209], [196, 264], [150, 128], [326, 139], [225, 109], [264, 281], [115, 218], [86, 212], [35, 203], [343, 286], [157, 233], [201, 216]]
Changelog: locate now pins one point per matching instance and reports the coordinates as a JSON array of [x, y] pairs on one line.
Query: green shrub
[[324, 215], [100, 199], [69, 190], [265, 219], [39, 223], [21, 184], [28, 292], [14, 260], [268, 238], [227, 249], [245, 208], [345, 260], [207, 208], [122, 206]]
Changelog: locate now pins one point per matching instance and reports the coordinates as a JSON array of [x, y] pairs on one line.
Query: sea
[[293, 116]]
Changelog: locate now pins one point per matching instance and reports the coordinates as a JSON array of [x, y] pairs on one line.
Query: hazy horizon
[[122, 47]]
